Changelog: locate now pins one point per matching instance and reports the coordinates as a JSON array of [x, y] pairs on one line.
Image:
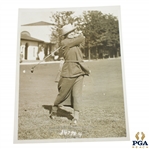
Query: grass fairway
[[102, 114]]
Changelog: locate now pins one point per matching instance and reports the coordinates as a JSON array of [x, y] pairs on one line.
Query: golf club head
[[32, 70]]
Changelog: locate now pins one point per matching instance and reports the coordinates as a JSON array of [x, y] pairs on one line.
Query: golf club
[[32, 69]]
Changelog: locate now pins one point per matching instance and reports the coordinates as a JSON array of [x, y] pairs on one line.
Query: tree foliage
[[100, 30]]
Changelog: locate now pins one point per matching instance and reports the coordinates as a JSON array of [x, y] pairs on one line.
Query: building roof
[[26, 37], [40, 23]]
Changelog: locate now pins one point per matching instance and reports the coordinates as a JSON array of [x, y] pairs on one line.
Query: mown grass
[[102, 114]]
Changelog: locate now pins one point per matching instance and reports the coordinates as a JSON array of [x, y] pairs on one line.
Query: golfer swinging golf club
[[73, 71]]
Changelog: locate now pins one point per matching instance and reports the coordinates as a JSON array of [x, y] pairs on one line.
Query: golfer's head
[[67, 30]]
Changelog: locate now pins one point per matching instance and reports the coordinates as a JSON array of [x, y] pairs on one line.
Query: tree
[[100, 30]]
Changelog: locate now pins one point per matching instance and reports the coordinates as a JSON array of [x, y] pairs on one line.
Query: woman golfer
[[73, 71]]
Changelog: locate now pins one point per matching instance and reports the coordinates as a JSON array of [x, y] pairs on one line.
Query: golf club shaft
[[46, 57]]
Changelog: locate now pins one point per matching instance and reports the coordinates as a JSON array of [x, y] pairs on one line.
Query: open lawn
[[102, 114]]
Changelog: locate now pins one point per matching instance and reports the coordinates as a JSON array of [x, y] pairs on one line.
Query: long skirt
[[70, 92]]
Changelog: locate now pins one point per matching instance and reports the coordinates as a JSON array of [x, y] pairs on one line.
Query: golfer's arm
[[76, 41], [61, 50]]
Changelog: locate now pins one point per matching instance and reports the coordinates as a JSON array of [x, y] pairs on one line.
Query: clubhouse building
[[35, 41]]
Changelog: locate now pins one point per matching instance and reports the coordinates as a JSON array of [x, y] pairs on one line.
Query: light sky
[[34, 15]]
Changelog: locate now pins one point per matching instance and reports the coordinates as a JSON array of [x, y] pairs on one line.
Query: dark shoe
[[53, 115], [74, 122]]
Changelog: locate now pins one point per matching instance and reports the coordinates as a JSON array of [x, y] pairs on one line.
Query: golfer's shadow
[[61, 112]]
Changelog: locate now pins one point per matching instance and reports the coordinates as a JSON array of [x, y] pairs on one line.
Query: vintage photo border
[[70, 140]]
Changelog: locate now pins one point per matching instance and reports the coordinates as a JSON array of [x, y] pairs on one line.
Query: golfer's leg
[[65, 87], [77, 96]]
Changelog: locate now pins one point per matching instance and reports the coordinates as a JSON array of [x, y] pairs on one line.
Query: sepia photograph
[[71, 82]]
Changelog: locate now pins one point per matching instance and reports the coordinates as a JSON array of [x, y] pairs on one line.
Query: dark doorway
[[26, 50]]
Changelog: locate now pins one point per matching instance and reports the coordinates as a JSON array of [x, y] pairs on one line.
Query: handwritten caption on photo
[[69, 133]]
